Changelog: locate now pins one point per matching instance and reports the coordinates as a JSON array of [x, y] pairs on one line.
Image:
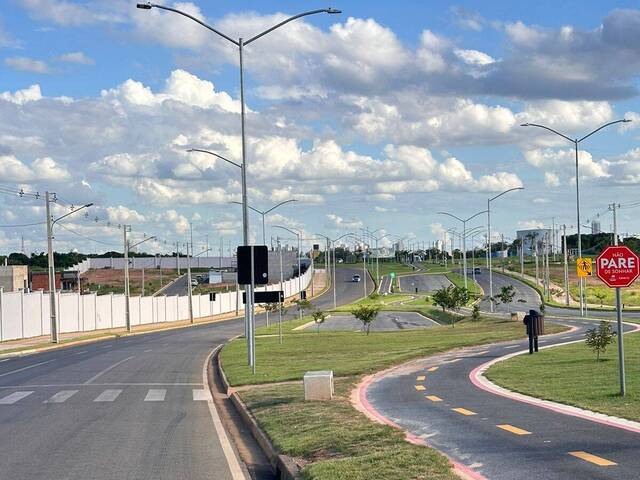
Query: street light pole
[[55, 334], [265, 213], [241, 43], [297, 234], [489, 240], [575, 142], [127, 246]]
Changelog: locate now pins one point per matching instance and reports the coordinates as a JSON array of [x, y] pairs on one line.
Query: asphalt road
[[425, 282], [179, 287], [131, 408], [385, 321], [471, 434]]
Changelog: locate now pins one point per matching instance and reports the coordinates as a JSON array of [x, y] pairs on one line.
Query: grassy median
[[571, 375]]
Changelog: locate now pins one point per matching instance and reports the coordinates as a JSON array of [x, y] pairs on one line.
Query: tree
[[367, 315], [475, 313], [271, 307], [303, 304], [597, 339], [600, 295], [319, 317], [506, 295], [443, 297], [460, 296]]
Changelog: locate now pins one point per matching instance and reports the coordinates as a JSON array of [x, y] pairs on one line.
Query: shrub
[[598, 339], [367, 315]]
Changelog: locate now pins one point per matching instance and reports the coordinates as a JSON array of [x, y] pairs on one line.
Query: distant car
[[477, 270], [194, 282], [355, 278]]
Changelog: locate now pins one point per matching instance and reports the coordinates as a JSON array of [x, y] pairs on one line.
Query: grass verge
[[571, 375]]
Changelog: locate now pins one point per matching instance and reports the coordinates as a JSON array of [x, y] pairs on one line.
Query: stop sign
[[618, 266]]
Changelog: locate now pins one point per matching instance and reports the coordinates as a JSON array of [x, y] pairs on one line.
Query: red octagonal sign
[[618, 266]]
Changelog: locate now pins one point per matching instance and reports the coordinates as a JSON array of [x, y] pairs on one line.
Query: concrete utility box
[[318, 385]]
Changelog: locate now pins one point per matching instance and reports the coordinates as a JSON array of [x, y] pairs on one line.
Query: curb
[[480, 381], [284, 466]]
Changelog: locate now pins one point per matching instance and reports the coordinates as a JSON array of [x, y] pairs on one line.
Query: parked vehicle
[[477, 270], [355, 278]]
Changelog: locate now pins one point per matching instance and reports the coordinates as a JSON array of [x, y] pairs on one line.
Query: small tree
[[460, 296], [506, 295], [366, 314], [600, 295], [598, 339], [319, 317], [269, 308], [443, 297], [475, 313], [303, 304]]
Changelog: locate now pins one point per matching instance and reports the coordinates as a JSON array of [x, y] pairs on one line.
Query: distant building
[[596, 227], [65, 281], [529, 238], [14, 278]]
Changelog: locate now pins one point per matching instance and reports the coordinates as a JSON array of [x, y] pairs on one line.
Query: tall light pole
[[575, 142], [489, 239], [241, 43], [127, 247], [333, 242], [55, 335], [464, 239], [265, 213], [297, 234]]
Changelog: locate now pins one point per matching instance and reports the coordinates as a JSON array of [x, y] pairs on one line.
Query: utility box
[[318, 385]]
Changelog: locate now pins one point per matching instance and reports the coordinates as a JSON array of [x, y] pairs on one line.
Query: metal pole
[[281, 281], [299, 275], [335, 304], [189, 283], [364, 270], [489, 253], [464, 252], [252, 326], [623, 387], [264, 236], [127, 313], [578, 219], [566, 265], [52, 274]]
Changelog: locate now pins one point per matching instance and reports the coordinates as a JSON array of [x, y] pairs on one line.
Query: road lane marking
[[5, 360], [512, 346], [26, 368], [108, 395], [14, 397], [155, 395], [80, 353], [464, 411], [420, 388], [202, 395], [99, 374], [149, 350], [433, 398], [420, 378], [61, 396], [602, 462], [512, 429], [565, 338], [432, 369]]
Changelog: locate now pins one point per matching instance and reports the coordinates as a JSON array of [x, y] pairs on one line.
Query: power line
[[23, 225], [85, 236]]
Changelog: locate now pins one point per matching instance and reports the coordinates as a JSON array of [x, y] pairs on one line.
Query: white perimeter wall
[[24, 315]]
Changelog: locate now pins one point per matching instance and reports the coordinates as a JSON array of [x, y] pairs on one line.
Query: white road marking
[[81, 353], [564, 338], [512, 346], [99, 374], [149, 350], [202, 395], [5, 360], [108, 395], [14, 397], [61, 396], [25, 368], [155, 395]]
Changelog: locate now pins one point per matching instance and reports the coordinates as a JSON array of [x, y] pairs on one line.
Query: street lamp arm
[[452, 216], [290, 19], [149, 6], [547, 128], [250, 207], [624, 120], [506, 191], [141, 241], [215, 155], [287, 229], [474, 216], [204, 251], [281, 203], [71, 213]]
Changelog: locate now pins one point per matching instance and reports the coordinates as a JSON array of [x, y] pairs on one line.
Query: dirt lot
[[109, 280]]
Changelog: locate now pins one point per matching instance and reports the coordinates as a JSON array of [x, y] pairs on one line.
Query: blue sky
[[378, 117]]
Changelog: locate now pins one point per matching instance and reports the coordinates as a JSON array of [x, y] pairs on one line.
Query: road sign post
[[618, 267], [584, 267]]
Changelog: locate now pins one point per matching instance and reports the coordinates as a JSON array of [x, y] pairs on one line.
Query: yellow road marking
[[512, 429], [464, 411], [420, 388], [420, 378], [602, 462], [433, 398], [432, 369]]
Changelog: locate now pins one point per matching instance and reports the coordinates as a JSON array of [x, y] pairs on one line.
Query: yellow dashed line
[[420, 388], [464, 411], [433, 398], [420, 378], [602, 462], [432, 369], [512, 429]]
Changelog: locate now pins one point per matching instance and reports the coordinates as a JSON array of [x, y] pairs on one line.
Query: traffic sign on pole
[[584, 267], [618, 266]]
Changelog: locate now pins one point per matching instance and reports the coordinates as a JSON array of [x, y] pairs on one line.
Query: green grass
[[350, 353], [571, 375], [458, 280], [338, 442]]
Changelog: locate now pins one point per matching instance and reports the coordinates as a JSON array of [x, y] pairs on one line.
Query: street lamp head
[[333, 11], [626, 120], [524, 125], [88, 205], [144, 6]]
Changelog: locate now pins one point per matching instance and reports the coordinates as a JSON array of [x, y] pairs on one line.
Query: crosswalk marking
[[155, 395], [433, 398], [602, 462], [14, 397], [202, 395], [464, 411], [108, 395], [420, 378], [512, 429], [420, 388], [432, 369], [61, 396]]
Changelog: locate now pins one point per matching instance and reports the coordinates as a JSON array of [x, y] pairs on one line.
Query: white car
[[355, 278]]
